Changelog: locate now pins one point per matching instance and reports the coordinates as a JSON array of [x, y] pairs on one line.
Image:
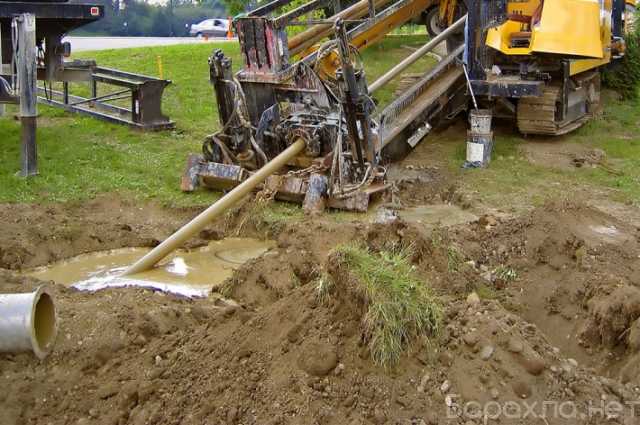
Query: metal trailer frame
[[144, 94], [25, 26]]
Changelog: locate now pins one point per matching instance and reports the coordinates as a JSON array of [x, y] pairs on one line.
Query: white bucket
[[479, 148], [28, 322], [480, 121]]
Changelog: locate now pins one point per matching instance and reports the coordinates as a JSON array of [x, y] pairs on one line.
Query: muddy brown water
[[189, 273], [438, 214]]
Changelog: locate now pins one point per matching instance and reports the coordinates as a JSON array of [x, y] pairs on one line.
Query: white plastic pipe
[[28, 322]]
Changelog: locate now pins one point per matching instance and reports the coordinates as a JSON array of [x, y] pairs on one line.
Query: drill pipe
[[218, 208], [308, 38], [409, 60]]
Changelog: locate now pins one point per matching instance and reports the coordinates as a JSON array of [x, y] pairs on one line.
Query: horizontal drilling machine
[[538, 59], [537, 62], [323, 98]]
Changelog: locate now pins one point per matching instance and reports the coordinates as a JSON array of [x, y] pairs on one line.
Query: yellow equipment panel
[[574, 28]]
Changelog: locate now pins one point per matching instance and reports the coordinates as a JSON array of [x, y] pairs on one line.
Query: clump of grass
[[400, 307], [324, 286], [454, 259], [506, 274], [485, 292]]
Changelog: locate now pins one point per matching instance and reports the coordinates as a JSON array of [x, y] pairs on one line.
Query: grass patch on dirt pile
[[399, 307], [81, 157]]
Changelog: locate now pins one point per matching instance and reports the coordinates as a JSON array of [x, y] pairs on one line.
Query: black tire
[[432, 21]]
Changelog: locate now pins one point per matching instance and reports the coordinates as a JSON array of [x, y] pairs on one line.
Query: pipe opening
[[44, 323]]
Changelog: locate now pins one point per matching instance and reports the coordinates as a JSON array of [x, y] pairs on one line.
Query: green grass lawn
[[81, 157], [511, 177]]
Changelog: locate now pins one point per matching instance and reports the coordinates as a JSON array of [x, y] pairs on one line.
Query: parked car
[[210, 28]]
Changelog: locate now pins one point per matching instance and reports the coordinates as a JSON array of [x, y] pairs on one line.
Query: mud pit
[[538, 308], [193, 273]]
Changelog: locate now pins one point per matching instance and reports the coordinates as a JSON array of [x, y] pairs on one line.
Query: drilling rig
[[536, 62], [321, 97]]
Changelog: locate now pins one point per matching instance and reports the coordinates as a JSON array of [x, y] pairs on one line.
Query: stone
[[423, 383], [514, 345], [533, 365], [494, 393], [317, 359], [471, 338], [521, 389], [473, 299], [487, 352], [487, 220], [403, 401]]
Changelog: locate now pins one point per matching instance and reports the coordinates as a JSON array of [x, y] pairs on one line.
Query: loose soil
[[539, 307]]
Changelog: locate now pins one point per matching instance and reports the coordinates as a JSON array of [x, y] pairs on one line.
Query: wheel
[[199, 35], [432, 21]]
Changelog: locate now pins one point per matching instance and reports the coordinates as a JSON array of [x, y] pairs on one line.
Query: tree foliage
[[624, 76]]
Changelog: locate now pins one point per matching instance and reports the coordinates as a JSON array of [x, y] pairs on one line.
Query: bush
[[624, 76]]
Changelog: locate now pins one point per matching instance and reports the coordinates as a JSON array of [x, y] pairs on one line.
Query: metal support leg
[[372, 10], [26, 25], [65, 93]]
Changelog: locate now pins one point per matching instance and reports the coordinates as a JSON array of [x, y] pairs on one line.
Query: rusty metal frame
[[144, 92]]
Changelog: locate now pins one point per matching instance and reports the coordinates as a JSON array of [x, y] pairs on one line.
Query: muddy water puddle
[[191, 273], [437, 214]]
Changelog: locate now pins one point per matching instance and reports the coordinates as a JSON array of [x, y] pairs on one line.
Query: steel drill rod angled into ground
[[413, 57], [218, 208]]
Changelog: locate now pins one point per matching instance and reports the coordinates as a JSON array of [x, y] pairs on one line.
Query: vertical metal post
[[618, 8], [372, 10], [26, 69], [65, 92], [135, 105], [473, 39]]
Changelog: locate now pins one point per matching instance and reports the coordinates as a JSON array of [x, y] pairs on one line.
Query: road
[[79, 44]]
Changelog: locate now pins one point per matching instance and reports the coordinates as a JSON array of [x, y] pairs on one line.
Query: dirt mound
[[574, 271], [278, 354], [612, 317], [34, 235]]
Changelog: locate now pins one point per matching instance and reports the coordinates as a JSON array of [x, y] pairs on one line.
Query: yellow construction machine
[[442, 15], [539, 61]]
